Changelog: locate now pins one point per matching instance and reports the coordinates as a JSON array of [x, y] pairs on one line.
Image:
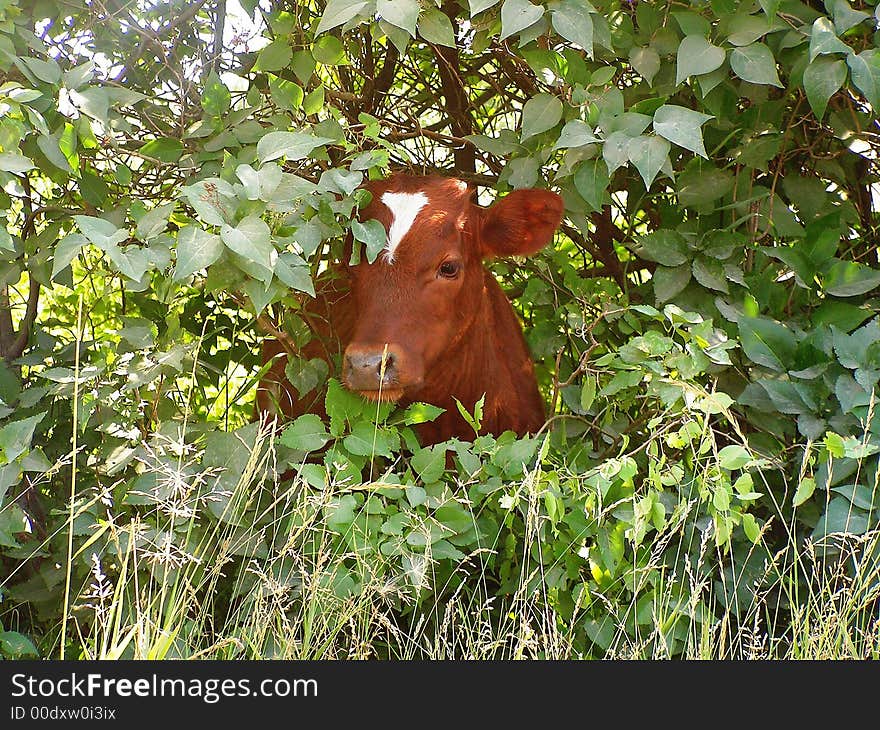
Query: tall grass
[[165, 601]]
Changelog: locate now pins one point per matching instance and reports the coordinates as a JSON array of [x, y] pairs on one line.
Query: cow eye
[[449, 269]]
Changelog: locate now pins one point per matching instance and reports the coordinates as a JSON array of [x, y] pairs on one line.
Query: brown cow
[[426, 321]]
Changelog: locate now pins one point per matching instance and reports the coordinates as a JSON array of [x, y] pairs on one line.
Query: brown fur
[[450, 337]]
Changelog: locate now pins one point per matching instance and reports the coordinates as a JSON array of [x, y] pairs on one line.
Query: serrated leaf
[[696, 56], [540, 113], [755, 63], [517, 15], [306, 433], [664, 246], [670, 280], [710, 273], [681, 126]]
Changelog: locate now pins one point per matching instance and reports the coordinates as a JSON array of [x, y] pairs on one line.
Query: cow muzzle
[[373, 372]]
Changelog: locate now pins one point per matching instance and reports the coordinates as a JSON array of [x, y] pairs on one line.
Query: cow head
[[419, 298]]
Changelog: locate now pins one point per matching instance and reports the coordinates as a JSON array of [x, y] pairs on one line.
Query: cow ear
[[521, 223]]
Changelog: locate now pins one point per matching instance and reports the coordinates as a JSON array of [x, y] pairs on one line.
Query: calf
[[426, 321]]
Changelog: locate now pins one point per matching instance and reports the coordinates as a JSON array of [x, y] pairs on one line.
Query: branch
[[456, 99], [606, 234], [30, 316]]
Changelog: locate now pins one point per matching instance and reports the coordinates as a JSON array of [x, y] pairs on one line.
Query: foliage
[[704, 326]]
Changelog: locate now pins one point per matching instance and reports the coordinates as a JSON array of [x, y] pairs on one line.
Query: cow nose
[[370, 369]]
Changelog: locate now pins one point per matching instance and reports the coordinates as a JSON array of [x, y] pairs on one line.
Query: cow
[[426, 321]]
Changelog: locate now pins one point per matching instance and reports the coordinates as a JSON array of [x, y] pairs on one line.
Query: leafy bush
[[703, 326]]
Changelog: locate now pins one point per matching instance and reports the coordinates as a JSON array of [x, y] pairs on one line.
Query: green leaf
[[646, 61], [615, 151], [286, 94], [591, 180], [845, 17], [400, 13], [296, 276], [648, 154], [669, 281], [49, 146], [540, 113], [251, 240], [292, 145], [14, 162], [215, 96], [429, 463], [154, 221], [328, 50], [166, 149], [805, 490], [755, 63], [822, 78], [767, 342], [841, 517], [710, 273], [664, 246], [865, 68], [14, 645], [733, 457], [420, 413], [478, 6], [517, 15], [372, 234], [196, 250], [66, 250], [681, 126], [573, 22], [314, 101], [696, 56], [435, 27], [306, 433], [15, 437], [339, 12], [48, 71], [823, 39], [366, 439], [849, 279], [575, 134]]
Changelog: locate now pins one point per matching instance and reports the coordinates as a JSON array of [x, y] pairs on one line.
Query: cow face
[[420, 298]]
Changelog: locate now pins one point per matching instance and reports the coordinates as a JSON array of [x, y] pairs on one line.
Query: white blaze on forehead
[[404, 208]]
